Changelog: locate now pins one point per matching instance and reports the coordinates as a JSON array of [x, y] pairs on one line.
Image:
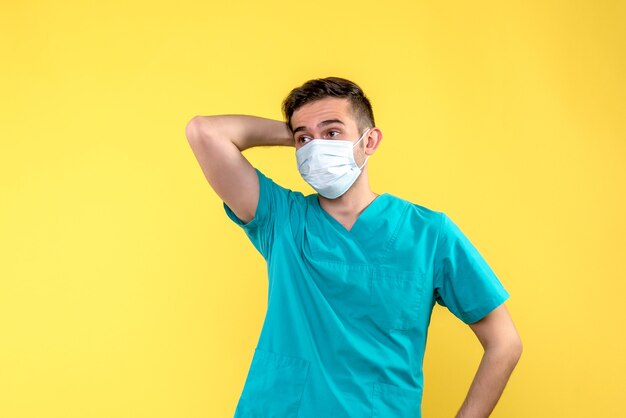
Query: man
[[353, 274]]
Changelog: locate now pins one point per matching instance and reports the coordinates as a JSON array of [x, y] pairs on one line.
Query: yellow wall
[[126, 292]]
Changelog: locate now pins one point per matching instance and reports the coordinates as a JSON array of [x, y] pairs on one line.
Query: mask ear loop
[[362, 136], [366, 158]]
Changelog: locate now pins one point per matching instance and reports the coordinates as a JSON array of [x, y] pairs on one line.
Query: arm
[[503, 348], [217, 142]]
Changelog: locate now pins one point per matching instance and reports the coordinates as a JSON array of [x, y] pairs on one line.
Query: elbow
[[201, 129], [193, 129], [519, 348], [515, 349], [508, 350]]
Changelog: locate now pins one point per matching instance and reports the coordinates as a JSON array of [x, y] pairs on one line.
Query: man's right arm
[[217, 142]]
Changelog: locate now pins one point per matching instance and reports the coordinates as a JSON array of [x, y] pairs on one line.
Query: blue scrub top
[[348, 311]]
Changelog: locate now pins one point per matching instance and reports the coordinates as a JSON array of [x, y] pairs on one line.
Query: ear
[[372, 141]]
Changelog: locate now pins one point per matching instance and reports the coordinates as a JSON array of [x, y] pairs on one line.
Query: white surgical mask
[[328, 165]]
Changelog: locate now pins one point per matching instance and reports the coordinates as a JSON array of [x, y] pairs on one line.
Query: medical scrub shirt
[[348, 311]]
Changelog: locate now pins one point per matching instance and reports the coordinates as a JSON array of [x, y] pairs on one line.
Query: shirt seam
[[438, 239], [393, 238]]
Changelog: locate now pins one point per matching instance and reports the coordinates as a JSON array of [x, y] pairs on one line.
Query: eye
[[330, 133], [303, 139]]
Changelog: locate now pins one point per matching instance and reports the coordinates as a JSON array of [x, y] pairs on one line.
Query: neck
[[352, 202]]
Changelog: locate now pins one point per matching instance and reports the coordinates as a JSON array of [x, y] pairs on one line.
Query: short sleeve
[[272, 203], [463, 281]]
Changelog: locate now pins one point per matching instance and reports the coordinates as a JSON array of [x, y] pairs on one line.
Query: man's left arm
[[503, 348]]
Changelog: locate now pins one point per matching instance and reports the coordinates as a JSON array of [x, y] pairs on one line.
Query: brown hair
[[321, 88]]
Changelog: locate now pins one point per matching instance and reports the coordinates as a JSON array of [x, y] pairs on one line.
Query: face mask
[[328, 165]]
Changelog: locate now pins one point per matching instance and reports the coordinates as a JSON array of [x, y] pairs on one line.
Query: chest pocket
[[363, 289], [396, 297], [386, 298]]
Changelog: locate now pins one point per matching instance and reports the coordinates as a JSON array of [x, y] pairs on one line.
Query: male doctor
[[353, 274]]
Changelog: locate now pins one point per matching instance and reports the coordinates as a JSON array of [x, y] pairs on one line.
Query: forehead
[[327, 108]]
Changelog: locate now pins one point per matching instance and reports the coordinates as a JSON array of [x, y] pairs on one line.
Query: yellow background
[[126, 292]]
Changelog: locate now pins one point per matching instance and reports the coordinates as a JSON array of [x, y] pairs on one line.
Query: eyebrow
[[322, 123]]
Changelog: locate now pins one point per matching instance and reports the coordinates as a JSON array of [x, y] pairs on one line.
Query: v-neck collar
[[367, 213]]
